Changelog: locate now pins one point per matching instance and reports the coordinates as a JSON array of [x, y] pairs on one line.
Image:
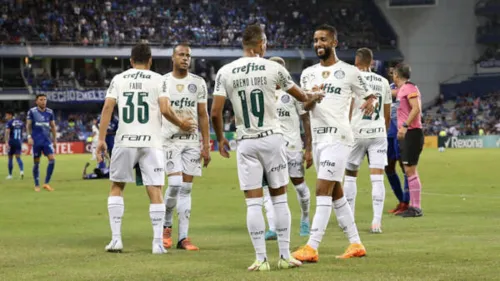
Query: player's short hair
[[279, 60], [40, 95], [9, 111], [403, 70], [185, 44], [141, 53], [252, 35], [365, 55], [326, 27]]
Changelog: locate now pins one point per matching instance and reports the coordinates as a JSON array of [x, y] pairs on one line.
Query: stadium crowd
[[168, 22], [466, 115]]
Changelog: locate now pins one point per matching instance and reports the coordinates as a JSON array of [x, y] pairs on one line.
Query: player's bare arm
[[187, 125], [28, 131], [387, 116], [306, 122], [217, 122], [296, 92], [106, 114], [205, 132], [6, 137], [415, 109], [351, 109], [54, 134]]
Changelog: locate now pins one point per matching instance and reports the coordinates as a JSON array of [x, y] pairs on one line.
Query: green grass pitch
[[61, 235]]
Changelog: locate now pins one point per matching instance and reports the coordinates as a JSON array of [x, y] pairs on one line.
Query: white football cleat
[[9, 177], [115, 246], [22, 175], [158, 249]]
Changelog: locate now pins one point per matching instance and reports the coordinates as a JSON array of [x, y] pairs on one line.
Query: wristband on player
[[405, 125], [29, 136]]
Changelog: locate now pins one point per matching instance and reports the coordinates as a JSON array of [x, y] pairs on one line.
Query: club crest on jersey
[[170, 165], [339, 74], [192, 88], [325, 74], [285, 99], [179, 87]]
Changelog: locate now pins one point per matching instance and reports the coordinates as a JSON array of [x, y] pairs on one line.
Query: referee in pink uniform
[[410, 134]]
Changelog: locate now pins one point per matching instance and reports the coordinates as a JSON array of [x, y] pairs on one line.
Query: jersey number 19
[[256, 104], [129, 110]]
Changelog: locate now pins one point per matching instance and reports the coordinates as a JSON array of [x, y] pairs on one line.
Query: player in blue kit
[[110, 137], [14, 141], [393, 157], [39, 126]]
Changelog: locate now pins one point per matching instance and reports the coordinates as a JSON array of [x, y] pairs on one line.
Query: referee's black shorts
[[411, 147]]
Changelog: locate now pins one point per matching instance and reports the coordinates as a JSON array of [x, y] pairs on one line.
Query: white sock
[[184, 209], [283, 224], [378, 197], [156, 214], [115, 211], [174, 185], [268, 206], [256, 226], [320, 220], [304, 197], [346, 220], [350, 191]]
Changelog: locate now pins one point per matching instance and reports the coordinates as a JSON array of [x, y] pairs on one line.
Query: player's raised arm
[[204, 124], [217, 118]]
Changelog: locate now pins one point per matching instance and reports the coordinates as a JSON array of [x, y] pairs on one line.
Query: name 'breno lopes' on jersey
[[289, 111], [372, 126], [185, 94], [330, 118], [137, 93], [250, 83]]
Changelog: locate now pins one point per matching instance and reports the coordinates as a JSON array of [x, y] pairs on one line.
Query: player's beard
[[326, 55]]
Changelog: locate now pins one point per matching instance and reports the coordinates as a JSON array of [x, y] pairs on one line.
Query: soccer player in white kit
[[188, 98], [290, 113], [250, 83], [370, 138], [332, 140], [142, 99]]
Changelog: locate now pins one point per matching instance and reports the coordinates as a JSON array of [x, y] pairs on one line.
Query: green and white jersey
[[185, 94], [372, 126], [330, 118], [137, 94], [250, 83], [289, 111]]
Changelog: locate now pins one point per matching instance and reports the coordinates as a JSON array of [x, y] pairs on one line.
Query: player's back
[[250, 83], [40, 125], [371, 126], [16, 130], [137, 92], [185, 94]]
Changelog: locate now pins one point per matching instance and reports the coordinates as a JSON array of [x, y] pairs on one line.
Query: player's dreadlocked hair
[[141, 53]]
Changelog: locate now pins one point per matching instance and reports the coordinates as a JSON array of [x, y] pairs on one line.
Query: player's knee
[[410, 170], [297, 181], [277, 191], [52, 161], [186, 189], [376, 170], [36, 161]]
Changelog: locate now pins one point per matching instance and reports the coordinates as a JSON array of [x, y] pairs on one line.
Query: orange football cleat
[[167, 237], [353, 251], [402, 208], [187, 245], [306, 254], [392, 211], [47, 187]]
